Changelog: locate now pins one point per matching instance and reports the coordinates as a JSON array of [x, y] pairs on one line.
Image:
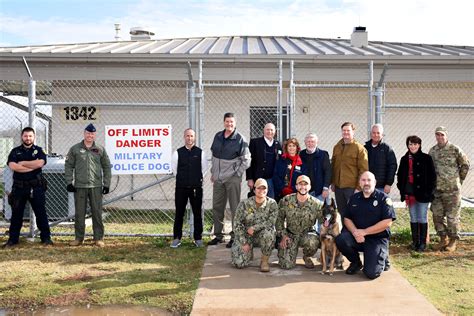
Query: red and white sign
[[139, 149]]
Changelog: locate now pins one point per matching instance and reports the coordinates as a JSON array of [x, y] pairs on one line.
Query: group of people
[[87, 174], [289, 186]]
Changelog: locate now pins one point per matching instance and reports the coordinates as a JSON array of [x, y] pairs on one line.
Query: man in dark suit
[[264, 152]]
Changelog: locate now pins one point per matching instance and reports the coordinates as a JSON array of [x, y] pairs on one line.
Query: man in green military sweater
[[88, 173]]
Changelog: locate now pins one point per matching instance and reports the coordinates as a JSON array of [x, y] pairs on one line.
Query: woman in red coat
[[287, 169]]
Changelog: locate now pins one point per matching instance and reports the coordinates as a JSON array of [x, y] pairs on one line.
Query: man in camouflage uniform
[[254, 224], [452, 166], [300, 211]]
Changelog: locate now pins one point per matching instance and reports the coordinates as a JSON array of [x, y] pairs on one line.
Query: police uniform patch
[[389, 201]]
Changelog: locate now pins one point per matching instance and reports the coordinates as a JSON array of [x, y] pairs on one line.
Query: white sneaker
[[198, 243], [176, 243]]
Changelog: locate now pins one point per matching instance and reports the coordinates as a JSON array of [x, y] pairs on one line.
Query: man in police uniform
[[254, 224], [189, 164], [300, 211], [26, 162], [452, 166], [89, 166], [367, 228]]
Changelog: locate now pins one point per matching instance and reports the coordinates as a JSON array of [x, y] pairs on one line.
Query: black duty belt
[[27, 183]]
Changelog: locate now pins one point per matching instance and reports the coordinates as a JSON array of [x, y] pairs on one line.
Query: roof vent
[[359, 37], [139, 33]]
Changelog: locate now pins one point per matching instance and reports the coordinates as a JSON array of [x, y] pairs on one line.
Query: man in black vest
[[188, 164], [264, 152]]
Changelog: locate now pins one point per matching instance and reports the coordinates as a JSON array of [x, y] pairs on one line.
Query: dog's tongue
[[326, 222]]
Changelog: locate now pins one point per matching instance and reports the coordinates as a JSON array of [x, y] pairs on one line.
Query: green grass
[[402, 223], [135, 271], [445, 279], [145, 271]]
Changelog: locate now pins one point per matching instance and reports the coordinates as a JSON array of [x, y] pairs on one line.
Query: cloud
[[416, 21]]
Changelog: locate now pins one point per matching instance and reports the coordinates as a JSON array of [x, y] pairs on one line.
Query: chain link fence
[[144, 204], [254, 105], [418, 108]]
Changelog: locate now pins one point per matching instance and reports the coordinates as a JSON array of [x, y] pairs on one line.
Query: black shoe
[[230, 243], [354, 267], [421, 248], [9, 245], [47, 242], [215, 241], [387, 265]]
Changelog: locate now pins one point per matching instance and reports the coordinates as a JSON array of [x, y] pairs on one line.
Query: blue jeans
[[271, 188], [320, 197], [328, 201], [419, 212]]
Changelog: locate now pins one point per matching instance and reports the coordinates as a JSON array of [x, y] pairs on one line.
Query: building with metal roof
[[323, 81]]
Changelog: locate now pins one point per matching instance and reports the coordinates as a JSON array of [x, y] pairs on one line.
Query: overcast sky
[[36, 22]]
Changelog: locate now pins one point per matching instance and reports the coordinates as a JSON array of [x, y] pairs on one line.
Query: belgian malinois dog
[[329, 230]]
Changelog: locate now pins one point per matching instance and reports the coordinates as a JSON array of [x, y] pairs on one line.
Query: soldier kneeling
[[254, 224]]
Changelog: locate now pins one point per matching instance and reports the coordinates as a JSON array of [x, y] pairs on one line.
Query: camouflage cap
[[442, 130], [261, 182], [303, 178]]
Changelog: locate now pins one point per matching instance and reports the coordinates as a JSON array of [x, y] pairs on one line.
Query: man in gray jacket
[[230, 159]]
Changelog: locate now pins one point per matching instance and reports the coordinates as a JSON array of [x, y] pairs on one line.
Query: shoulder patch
[[389, 201]]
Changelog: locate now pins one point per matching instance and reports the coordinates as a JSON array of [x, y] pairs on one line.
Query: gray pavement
[[225, 290]]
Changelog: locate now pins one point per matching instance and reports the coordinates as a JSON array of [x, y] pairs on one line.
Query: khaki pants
[[223, 191]]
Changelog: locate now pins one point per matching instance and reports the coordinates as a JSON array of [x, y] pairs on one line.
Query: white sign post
[[139, 149]]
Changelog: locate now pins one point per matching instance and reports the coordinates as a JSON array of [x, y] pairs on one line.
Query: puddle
[[107, 310]]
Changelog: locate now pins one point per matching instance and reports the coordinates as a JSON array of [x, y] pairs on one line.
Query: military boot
[[308, 263], [264, 266], [443, 242], [451, 247]]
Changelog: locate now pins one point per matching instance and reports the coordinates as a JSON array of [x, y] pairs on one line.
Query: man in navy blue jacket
[[318, 167], [382, 160], [265, 151]]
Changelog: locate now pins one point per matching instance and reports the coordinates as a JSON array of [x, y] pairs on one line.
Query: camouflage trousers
[[264, 238], [308, 241], [446, 208]]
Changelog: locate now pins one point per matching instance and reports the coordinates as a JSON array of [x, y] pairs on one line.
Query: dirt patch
[[83, 276], [69, 298]]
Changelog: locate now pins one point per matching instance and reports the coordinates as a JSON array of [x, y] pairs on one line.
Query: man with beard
[[300, 211], [26, 162], [367, 223]]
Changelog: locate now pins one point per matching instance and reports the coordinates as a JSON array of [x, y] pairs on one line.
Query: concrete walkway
[[225, 290]]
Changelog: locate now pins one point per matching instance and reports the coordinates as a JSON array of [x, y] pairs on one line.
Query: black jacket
[[424, 177], [321, 174], [260, 166], [382, 163]]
